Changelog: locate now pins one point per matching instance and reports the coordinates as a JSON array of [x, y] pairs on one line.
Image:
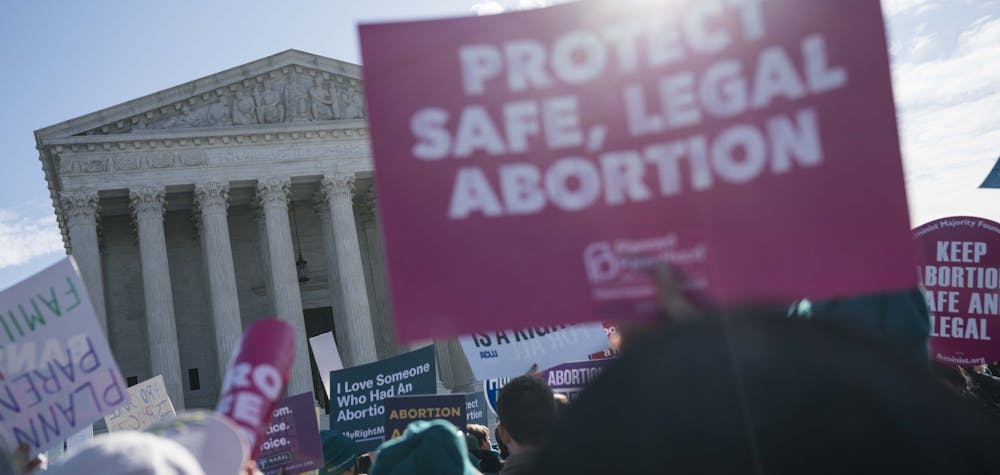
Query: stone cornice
[[337, 129]]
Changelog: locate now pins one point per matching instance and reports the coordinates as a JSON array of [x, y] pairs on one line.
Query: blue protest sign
[[491, 388], [400, 411], [475, 409], [358, 394]]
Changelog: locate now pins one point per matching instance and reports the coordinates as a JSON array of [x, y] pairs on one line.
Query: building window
[[132, 381], [193, 379]]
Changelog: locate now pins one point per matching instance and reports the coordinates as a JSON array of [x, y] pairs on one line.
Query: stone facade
[[186, 210]]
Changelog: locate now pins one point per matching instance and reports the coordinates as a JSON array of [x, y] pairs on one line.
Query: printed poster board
[[475, 409], [58, 374], [513, 353], [291, 441], [148, 404], [960, 273], [324, 349], [400, 411], [554, 155], [359, 393], [573, 377]]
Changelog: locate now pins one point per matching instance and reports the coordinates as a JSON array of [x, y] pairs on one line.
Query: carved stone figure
[[270, 108], [322, 105], [296, 102], [276, 98], [218, 112], [244, 109], [188, 117], [354, 104]]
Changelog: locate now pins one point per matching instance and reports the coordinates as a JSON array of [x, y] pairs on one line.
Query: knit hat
[[209, 436], [426, 447], [129, 453], [339, 451]]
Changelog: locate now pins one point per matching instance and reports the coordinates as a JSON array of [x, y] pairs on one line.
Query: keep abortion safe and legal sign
[[960, 273], [532, 163]]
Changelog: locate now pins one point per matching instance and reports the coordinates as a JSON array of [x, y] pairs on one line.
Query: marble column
[[380, 303], [81, 210], [212, 201], [462, 378], [148, 205], [273, 193], [356, 320], [442, 356], [344, 344], [267, 308]]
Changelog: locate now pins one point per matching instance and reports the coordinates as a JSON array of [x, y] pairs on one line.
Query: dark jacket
[[520, 464], [489, 461]]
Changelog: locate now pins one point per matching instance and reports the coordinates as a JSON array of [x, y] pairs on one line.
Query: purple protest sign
[[291, 441], [571, 378]]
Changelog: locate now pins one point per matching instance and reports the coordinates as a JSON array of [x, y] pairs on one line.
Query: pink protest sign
[[960, 270], [529, 165], [257, 378]]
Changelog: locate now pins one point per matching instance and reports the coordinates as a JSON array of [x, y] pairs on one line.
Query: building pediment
[[291, 87]]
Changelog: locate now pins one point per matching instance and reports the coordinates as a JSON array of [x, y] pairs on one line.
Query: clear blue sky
[[67, 58]]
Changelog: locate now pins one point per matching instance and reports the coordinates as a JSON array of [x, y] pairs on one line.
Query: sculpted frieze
[[126, 163], [139, 161], [288, 95], [131, 162], [95, 165], [299, 152], [159, 160]]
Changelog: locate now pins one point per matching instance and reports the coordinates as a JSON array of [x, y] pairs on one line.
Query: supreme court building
[[190, 212]]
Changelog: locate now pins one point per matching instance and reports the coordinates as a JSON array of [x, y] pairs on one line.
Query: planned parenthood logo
[[622, 266]]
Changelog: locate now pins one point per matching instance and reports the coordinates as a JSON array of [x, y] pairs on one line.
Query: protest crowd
[[700, 366], [841, 386]]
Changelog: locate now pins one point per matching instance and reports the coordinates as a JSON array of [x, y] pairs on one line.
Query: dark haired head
[[527, 409]]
